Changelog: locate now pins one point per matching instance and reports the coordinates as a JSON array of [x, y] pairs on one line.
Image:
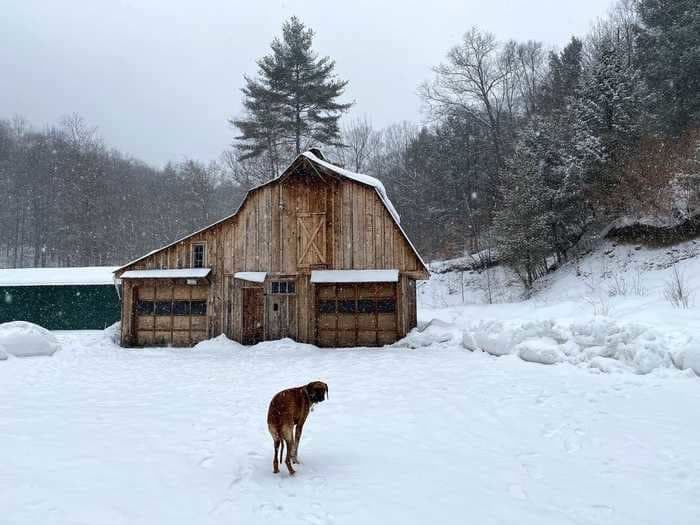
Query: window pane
[[198, 255], [144, 308], [346, 307], [290, 287], [326, 307], [365, 306], [283, 286], [181, 308], [163, 308], [198, 308], [386, 306], [275, 287]]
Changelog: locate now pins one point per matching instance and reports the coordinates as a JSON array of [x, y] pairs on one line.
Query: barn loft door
[[311, 240]]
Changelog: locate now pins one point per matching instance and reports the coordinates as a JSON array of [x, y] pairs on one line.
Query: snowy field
[[436, 433]]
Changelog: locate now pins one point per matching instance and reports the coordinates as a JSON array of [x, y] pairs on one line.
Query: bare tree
[[361, 142], [476, 79]]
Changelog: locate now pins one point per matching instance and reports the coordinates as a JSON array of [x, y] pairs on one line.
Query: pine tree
[[522, 223], [293, 101], [668, 53], [609, 118]]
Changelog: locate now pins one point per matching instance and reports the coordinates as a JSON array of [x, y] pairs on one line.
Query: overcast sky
[[159, 78]]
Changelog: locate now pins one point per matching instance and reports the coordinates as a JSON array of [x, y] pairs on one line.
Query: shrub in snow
[[543, 350], [676, 291], [22, 339]]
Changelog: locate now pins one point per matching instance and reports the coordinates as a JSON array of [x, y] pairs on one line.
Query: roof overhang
[[354, 276], [253, 277], [178, 273]]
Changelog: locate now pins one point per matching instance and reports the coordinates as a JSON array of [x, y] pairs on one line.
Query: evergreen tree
[[608, 118], [293, 101], [522, 223], [668, 53]]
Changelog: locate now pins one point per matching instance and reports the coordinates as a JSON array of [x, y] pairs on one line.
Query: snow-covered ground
[[432, 434]]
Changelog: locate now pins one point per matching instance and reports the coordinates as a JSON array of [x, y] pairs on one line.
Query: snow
[[100, 434], [254, 277], [177, 273], [23, 339], [89, 275], [354, 276], [3, 353]]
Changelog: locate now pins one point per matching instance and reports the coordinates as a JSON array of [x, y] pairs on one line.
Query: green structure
[[60, 298]]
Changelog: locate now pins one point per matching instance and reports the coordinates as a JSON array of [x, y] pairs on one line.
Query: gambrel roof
[[321, 167]]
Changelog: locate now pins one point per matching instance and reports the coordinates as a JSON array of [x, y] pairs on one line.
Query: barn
[[317, 254], [60, 298]]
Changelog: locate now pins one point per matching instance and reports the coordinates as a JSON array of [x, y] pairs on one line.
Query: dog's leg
[[297, 440], [275, 462], [288, 435]]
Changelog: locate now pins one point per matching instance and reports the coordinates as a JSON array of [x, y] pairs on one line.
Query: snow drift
[[23, 339], [602, 344]]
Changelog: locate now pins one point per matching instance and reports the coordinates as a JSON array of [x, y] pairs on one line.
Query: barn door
[[311, 240], [253, 315]]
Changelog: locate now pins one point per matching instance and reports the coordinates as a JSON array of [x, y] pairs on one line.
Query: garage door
[[168, 315], [356, 314]]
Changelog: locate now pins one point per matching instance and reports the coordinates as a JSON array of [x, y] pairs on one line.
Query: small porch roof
[[175, 273], [354, 276], [253, 277]]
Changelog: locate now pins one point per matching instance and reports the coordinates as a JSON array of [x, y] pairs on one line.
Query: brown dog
[[290, 408]]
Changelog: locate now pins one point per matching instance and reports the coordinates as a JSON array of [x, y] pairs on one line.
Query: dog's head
[[317, 391]]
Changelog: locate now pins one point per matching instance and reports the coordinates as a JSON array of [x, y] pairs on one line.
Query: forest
[[526, 154]]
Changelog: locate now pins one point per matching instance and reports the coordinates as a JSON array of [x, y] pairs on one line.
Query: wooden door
[[311, 240], [356, 314], [253, 315]]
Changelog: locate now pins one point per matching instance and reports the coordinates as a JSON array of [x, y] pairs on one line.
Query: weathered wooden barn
[[317, 254]]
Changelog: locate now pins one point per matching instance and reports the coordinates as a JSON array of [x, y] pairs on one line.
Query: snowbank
[[22, 339], [3, 353], [603, 344], [218, 343]]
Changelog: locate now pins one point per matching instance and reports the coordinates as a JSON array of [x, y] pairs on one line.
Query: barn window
[[181, 308], [326, 307], [144, 307], [365, 306], [386, 306], [164, 308], [198, 255], [346, 307], [283, 287], [198, 308]]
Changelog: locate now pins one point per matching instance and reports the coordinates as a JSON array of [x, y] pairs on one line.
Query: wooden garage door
[[356, 314], [170, 315]]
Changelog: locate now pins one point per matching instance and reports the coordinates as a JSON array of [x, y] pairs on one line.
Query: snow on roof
[[359, 177], [88, 275], [253, 277], [354, 276], [177, 273]]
